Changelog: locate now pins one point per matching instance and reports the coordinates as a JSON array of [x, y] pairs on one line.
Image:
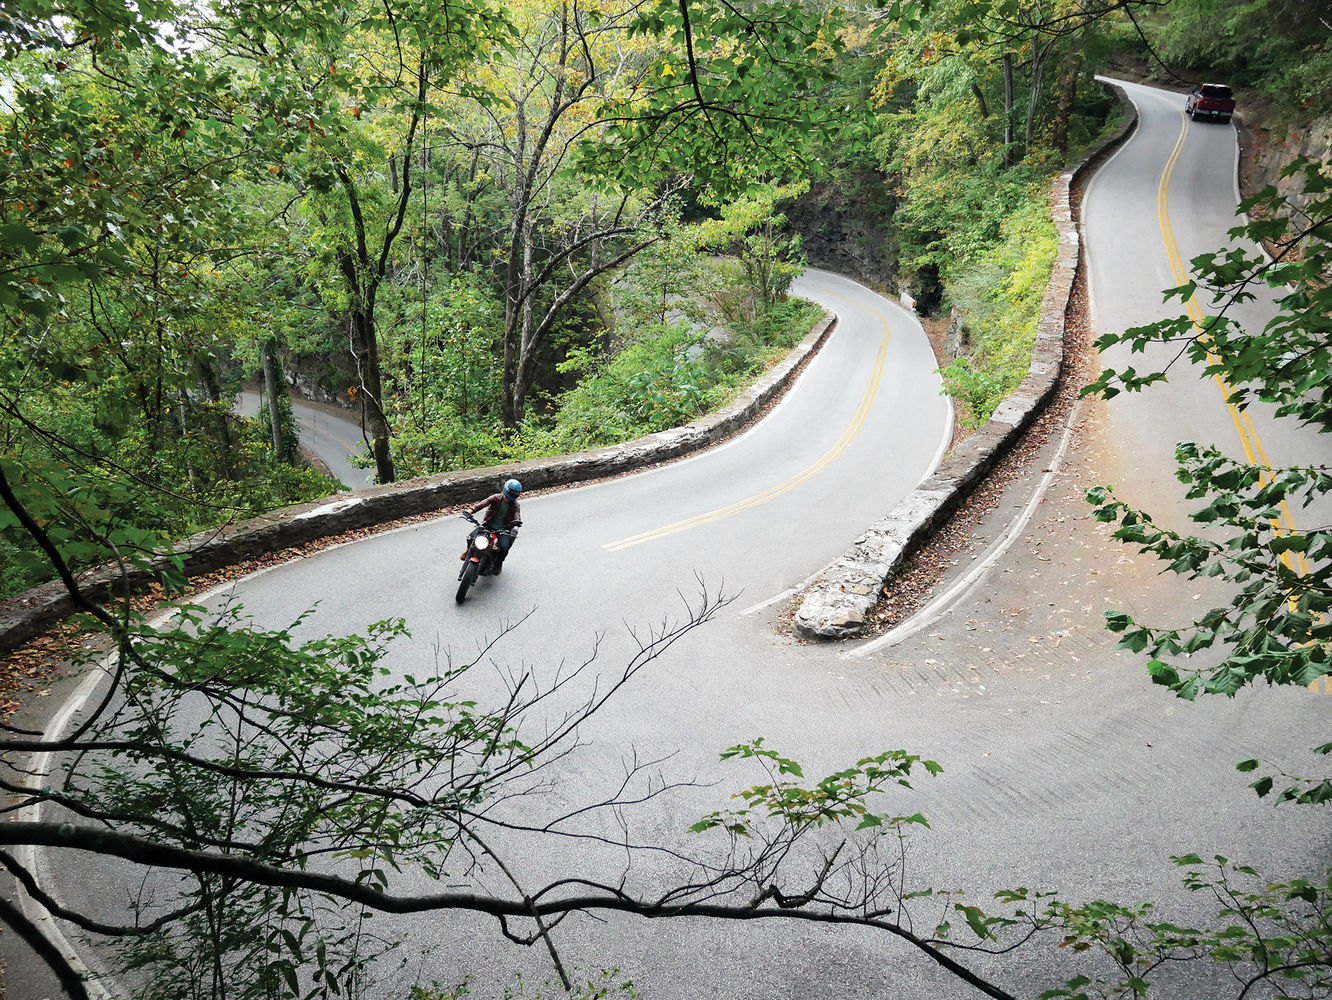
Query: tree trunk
[[510, 407], [980, 101], [364, 271], [183, 419], [366, 354], [1068, 92], [1008, 109], [526, 343], [213, 393], [1034, 97], [272, 386], [511, 397]]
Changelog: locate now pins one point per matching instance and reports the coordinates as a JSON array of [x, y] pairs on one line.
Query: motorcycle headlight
[[481, 542]]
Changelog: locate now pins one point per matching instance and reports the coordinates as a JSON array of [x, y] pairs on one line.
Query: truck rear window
[[1215, 90]]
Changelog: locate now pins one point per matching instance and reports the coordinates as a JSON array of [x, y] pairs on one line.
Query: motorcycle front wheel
[[466, 579]]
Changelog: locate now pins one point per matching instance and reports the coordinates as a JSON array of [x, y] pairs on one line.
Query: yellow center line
[[1248, 434], [862, 412], [1182, 276], [1244, 426]]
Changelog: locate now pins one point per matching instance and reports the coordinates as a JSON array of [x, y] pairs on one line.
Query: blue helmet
[[512, 488]]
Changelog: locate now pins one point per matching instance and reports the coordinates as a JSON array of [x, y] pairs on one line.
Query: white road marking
[[28, 854]]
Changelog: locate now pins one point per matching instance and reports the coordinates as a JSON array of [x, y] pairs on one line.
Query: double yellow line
[[845, 440], [1248, 433]]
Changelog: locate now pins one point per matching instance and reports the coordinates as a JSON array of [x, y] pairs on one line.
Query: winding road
[[1063, 766], [328, 435]]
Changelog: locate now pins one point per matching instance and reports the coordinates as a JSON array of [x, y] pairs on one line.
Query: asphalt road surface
[[328, 435], [1064, 768], [1181, 178]]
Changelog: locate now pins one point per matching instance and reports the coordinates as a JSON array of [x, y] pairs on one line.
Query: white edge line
[[961, 587], [788, 592], [945, 439], [28, 854], [1238, 197]]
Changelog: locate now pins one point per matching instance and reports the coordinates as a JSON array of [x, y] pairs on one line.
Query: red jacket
[[492, 504]]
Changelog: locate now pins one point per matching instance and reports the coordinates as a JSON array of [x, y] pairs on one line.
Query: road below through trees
[[330, 434]]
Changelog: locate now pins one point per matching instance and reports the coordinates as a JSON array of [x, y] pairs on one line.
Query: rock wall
[[1267, 146], [853, 239]]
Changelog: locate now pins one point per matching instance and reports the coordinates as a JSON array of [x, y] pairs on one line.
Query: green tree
[[115, 198], [751, 230], [352, 96]]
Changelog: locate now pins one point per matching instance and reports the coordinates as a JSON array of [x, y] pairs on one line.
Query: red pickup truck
[[1212, 101]]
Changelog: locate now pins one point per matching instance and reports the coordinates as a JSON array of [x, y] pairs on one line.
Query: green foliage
[[666, 277], [289, 781], [123, 316], [767, 259], [996, 301], [133, 495], [1303, 791], [1283, 48], [307, 749], [970, 167], [1275, 625], [668, 377], [83, 522], [446, 371], [734, 89], [838, 797], [1265, 932], [86, 172], [978, 391]]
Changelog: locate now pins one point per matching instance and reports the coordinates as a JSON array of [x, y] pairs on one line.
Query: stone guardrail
[[29, 614], [838, 604]]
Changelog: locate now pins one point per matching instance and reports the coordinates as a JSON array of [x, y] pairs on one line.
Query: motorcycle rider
[[502, 512]]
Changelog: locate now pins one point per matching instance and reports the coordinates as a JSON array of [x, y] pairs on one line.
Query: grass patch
[[997, 301]]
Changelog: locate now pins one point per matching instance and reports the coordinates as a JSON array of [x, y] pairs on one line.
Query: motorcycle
[[481, 557]]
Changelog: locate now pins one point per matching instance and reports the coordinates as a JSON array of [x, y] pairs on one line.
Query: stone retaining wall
[[31, 613], [838, 604]]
